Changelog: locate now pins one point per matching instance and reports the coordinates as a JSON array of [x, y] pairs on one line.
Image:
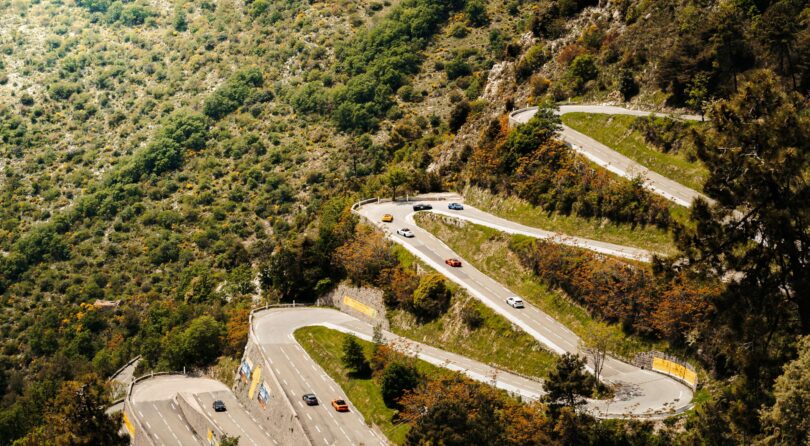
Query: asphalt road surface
[[642, 392], [612, 160], [153, 402], [299, 374], [479, 217]]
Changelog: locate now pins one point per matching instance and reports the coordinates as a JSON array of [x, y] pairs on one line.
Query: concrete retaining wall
[[195, 417], [139, 437], [277, 415], [371, 298]]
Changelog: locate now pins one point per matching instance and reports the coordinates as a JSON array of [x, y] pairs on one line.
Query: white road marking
[[171, 431]]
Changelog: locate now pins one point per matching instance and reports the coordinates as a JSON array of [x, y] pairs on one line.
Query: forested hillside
[[192, 159]]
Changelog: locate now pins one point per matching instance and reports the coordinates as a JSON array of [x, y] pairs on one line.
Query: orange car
[[387, 218], [340, 405], [453, 262]]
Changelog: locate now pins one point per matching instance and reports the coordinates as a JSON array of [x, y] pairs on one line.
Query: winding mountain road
[[639, 393], [611, 160], [479, 217], [642, 392]]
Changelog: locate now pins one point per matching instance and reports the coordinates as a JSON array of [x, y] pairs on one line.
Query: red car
[[340, 405], [453, 262]]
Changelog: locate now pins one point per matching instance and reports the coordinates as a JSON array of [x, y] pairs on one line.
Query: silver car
[[514, 302], [405, 232]]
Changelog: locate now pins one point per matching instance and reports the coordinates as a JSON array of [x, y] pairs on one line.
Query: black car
[[310, 399], [422, 207], [219, 406]]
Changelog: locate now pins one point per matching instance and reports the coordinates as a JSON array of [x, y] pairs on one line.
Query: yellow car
[[388, 218]]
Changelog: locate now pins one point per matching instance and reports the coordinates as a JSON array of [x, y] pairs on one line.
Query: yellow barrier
[[359, 306], [674, 369], [255, 378], [129, 426]]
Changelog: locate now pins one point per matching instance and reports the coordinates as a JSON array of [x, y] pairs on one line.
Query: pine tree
[[353, 357]]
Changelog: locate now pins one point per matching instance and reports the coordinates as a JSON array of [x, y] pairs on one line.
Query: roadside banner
[[255, 379], [359, 306], [244, 371], [129, 426], [264, 395], [672, 368]]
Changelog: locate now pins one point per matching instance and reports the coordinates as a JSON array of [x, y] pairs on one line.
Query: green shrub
[[397, 379], [458, 115], [432, 296], [476, 13], [62, 91], [233, 93], [198, 345], [457, 67], [532, 61], [582, 69]]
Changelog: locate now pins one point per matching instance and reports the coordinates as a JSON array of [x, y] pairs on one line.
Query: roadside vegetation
[[327, 348], [422, 305], [531, 162], [179, 162], [471, 329], [654, 143], [411, 400], [491, 252], [521, 211]]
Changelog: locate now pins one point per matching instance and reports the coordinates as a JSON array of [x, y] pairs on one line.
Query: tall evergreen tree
[[756, 232], [569, 384]]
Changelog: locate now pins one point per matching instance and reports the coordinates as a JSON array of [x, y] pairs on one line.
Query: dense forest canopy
[[191, 160]]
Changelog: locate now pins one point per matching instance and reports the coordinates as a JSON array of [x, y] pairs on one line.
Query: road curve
[[641, 392], [304, 375], [155, 403], [299, 374], [479, 217], [611, 160]]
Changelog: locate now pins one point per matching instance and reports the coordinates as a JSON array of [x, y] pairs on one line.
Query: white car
[[405, 232], [514, 302]]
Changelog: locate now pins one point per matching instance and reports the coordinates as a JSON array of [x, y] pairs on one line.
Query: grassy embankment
[[615, 132], [325, 346], [513, 208], [495, 341], [487, 249]]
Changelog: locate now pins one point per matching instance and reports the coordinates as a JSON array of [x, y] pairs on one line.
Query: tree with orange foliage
[[454, 411], [365, 255], [528, 425], [459, 411], [398, 284], [684, 305], [236, 330]]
